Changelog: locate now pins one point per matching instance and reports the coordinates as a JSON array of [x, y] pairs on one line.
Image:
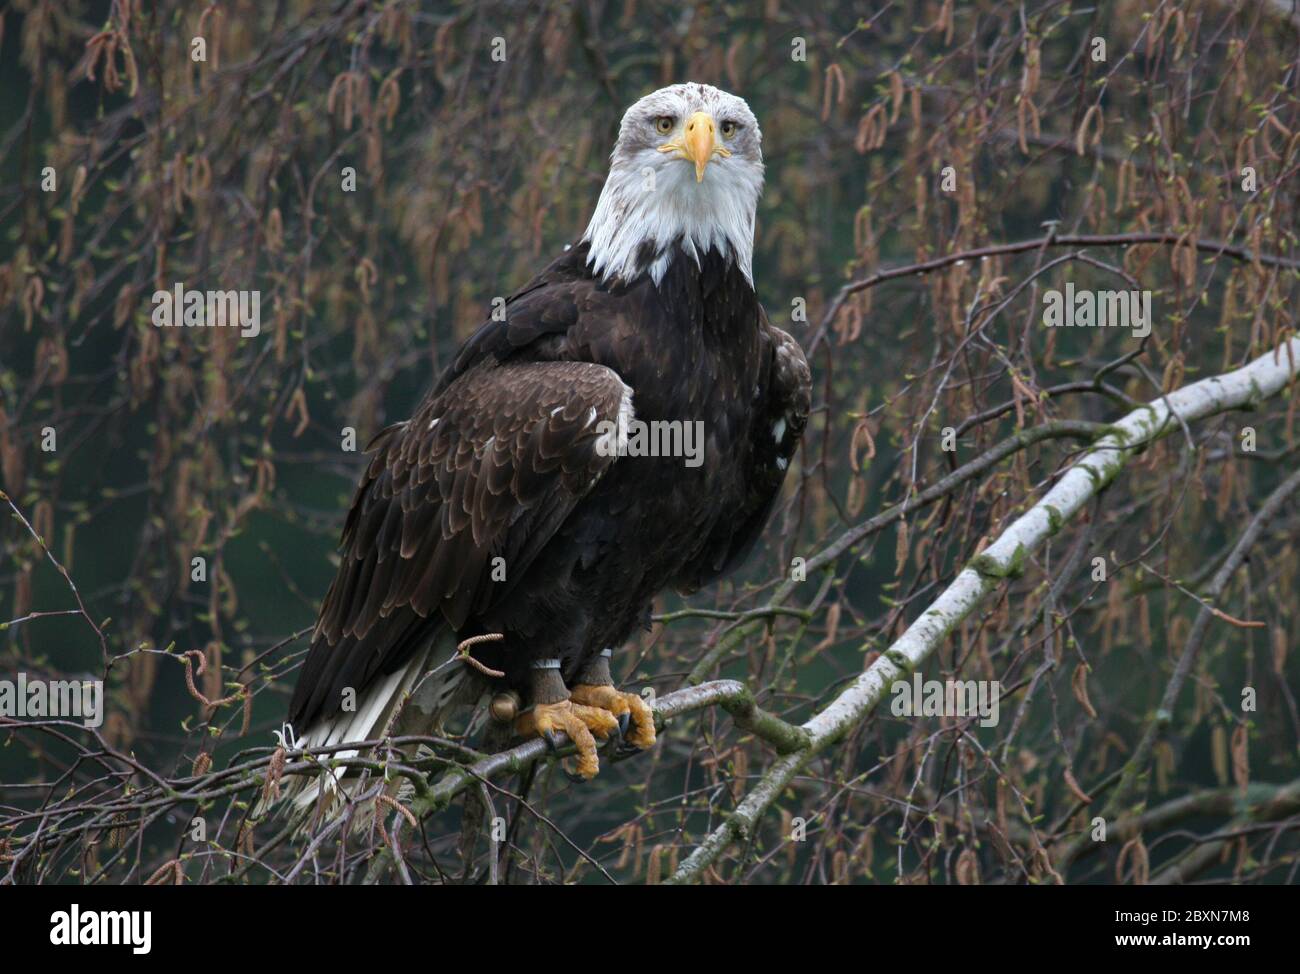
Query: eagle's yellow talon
[[618, 702], [577, 721]]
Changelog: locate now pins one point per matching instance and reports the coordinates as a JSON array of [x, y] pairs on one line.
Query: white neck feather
[[717, 213]]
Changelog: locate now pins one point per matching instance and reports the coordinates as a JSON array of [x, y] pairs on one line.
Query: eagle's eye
[[664, 124], [729, 128]]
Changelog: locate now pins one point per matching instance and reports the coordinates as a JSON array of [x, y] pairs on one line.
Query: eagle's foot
[[581, 723], [622, 706]]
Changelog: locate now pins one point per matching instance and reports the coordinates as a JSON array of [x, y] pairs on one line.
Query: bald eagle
[[521, 502]]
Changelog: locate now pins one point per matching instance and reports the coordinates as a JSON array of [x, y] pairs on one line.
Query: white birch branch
[[1004, 558]]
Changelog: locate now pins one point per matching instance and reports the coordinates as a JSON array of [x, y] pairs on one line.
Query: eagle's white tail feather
[[364, 724], [412, 700]]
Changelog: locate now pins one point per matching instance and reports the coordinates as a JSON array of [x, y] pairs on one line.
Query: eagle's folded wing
[[487, 468], [779, 417]]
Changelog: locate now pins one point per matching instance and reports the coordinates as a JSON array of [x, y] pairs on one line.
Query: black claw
[[625, 751], [623, 720], [552, 740]]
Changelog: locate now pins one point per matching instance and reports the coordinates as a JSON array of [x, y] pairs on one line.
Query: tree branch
[[1004, 558], [1168, 238]]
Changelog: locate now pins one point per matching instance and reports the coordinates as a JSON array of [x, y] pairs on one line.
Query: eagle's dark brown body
[[501, 461]]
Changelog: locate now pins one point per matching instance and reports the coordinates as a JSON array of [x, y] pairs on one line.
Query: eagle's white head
[[684, 177]]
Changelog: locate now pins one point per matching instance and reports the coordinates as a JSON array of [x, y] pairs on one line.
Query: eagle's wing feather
[[779, 416], [489, 466]]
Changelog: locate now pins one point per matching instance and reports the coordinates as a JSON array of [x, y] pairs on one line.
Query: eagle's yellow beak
[[697, 143]]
